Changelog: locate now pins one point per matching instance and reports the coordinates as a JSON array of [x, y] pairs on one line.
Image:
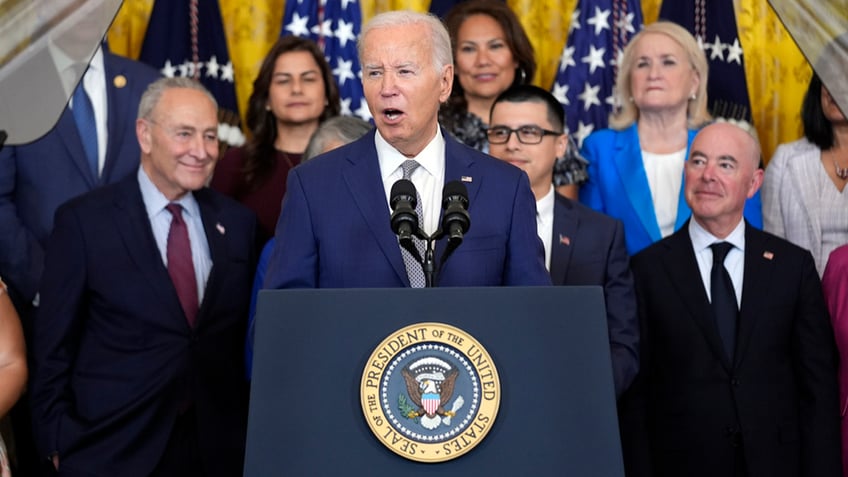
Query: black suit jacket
[[588, 248], [691, 409], [114, 355]]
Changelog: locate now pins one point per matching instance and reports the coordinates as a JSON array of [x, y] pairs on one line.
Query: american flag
[[334, 25], [713, 24], [599, 30], [186, 38]]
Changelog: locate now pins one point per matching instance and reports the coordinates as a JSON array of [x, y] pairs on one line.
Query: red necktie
[[180, 265]]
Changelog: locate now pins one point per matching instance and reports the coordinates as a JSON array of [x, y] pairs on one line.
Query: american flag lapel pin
[[768, 255], [564, 240], [220, 228], [466, 179]]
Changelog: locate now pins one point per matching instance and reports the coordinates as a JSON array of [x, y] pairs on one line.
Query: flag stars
[[595, 58], [344, 33], [227, 72], [362, 111], [560, 92], [344, 71], [168, 70], [575, 21], [567, 58], [583, 130], [625, 23], [212, 67], [589, 96], [717, 48], [325, 29], [734, 52], [345, 107], [298, 24], [600, 20]]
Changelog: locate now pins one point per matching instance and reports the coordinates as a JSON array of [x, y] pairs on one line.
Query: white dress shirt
[[428, 178], [545, 223], [734, 262]]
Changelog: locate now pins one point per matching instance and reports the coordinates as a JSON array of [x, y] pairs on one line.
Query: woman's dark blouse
[[265, 200]]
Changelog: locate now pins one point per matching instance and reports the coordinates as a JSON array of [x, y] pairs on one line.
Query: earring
[[522, 75], [267, 107], [693, 97]]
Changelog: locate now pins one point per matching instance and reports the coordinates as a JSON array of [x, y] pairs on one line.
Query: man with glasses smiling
[[139, 338], [582, 247]]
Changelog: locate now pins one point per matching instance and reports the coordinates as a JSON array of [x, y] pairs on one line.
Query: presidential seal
[[430, 392]]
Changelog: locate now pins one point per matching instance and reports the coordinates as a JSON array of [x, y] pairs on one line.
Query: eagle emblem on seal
[[430, 384]]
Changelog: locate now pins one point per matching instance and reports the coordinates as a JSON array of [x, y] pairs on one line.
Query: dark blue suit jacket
[[114, 356], [38, 177], [588, 249], [334, 229], [618, 186]]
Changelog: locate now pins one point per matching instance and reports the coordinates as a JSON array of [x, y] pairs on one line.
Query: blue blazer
[[618, 186], [587, 248], [114, 357], [334, 229], [35, 179]]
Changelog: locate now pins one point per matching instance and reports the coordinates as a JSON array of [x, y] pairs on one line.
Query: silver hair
[[441, 44], [154, 92], [344, 129]]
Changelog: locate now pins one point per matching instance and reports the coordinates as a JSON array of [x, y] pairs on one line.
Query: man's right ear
[[144, 134]]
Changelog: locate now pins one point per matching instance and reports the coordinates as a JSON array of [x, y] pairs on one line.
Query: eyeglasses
[[525, 134]]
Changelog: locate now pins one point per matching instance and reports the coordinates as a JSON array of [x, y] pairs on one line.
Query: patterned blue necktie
[[84, 117], [413, 269]]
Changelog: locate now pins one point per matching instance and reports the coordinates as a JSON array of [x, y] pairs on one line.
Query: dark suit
[[334, 230], [114, 356], [693, 413], [38, 177], [587, 248]]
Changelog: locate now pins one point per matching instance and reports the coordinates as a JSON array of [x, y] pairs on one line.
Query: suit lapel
[[137, 234], [759, 270], [628, 161], [217, 248], [66, 129], [117, 93], [459, 166], [362, 176], [682, 267], [564, 229]]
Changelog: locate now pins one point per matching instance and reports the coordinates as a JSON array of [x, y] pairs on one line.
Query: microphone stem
[[429, 265]]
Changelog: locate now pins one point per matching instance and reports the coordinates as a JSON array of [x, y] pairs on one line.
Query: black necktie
[[725, 309]]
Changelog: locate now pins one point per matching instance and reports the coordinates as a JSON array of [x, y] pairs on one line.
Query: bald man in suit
[[738, 374]]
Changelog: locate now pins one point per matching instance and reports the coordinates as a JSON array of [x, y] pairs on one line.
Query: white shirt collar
[[431, 158], [155, 201], [701, 239]]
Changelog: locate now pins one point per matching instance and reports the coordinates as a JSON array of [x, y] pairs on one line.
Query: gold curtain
[[777, 72]]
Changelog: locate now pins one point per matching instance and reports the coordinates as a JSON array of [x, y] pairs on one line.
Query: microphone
[[455, 221], [403, 202]]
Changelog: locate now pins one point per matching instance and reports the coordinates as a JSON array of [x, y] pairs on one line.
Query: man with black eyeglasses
[[582, 247]]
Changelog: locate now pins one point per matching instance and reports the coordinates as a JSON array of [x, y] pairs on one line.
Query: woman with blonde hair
[[636, 166]]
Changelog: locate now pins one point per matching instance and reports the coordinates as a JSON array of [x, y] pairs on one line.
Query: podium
[[557, 414]]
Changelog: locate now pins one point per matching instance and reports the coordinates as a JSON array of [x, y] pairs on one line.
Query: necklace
[[841, 172]]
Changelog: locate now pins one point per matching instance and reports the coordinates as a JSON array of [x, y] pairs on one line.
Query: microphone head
[[456, 220], [403, 189], [455, 191]]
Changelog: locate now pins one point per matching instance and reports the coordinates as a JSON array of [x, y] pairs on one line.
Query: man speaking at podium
[[334, 229]]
